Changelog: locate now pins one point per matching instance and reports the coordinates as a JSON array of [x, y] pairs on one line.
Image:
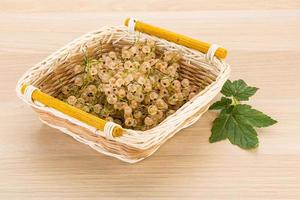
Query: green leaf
[[223, 103], [238, 89], [241, 134], [248, 115], [219, 131], [238, 132], [237, 121]]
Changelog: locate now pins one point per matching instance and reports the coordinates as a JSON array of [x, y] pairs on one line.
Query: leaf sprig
[[237, 121]]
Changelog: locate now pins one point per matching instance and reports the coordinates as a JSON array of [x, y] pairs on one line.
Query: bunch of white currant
[[136, 86]]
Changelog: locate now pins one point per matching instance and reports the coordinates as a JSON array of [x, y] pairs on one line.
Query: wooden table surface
[[263, 40]]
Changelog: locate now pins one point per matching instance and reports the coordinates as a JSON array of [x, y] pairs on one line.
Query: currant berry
[[129, 121], [72, 100], [78, 81], [112, 99], [165, 82], [152, 109], [185, 83], [146, 49], [148, 121], [97, 108], [137, 114]]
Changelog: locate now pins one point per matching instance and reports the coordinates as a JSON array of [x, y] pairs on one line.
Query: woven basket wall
[[57, 70]]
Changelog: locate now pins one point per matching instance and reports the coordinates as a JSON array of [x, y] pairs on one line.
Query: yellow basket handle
[[72, 111], [203, 47]]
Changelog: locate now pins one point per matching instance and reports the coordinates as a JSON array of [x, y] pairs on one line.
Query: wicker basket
[[203, 69]]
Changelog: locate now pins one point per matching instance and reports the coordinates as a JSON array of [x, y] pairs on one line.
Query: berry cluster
[[136, 86]]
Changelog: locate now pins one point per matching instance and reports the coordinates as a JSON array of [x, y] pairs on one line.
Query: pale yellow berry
[[91, 89], [97, 108], [112, 99], [138, 58], [79, 105], [159, 115], [112, 80], [132, 87], [185, 83], [153, 61], [151, 56], [146, 49], [130, 96], [109, 119], [134, 104], [168, 56], [129, 121], [108, 61], [152, 110], [137, 114], [93, 70], [176, 85], [171, 70], [133, 50], [128, 65], [148, 121], [185, 92], [126, 54], [108, 90], [161, 104], [153, 96], [150, 43], [163, 67], [127, 111], [136, 75], [147, 100], [121, 93], [72, 100], [163, 92], [145, 67], [170, 112], [86, 108], [141, 80], [112, 55], [165, 82], [172, 101], [136, 64], [80, 100], [78, 81], [194, 89], [139, 97], [65, 90], [148, 87], [128, 79], [119, 82], [104, 77]]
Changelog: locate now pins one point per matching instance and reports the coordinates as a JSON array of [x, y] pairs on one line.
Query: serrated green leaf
[[238, 89], [253, 117], [219, 131], [237, 121], [238, 132], [241, 134], [223, 103]]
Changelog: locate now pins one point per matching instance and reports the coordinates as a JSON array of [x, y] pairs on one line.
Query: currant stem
[[235, 101]]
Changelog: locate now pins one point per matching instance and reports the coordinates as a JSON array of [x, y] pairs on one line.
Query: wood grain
[[263, 43]]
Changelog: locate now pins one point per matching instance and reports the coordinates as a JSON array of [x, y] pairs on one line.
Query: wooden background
[[263, 40]]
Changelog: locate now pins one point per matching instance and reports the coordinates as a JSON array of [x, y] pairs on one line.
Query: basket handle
[[100, 124], [189, 42]]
